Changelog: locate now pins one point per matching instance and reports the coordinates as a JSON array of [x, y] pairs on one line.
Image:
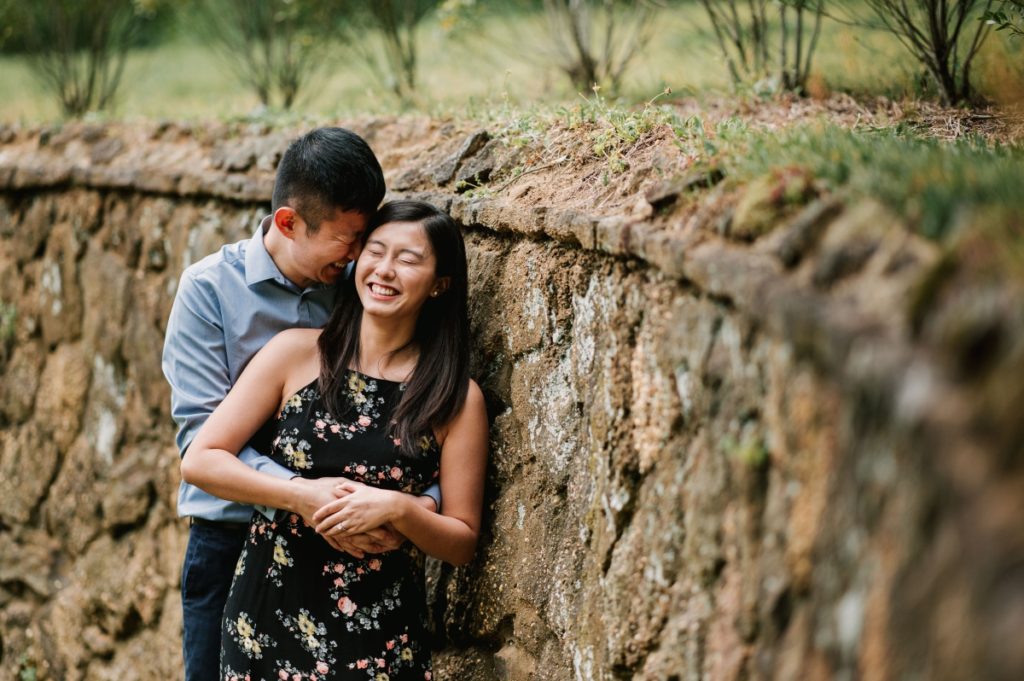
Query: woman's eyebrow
[[410, 251]]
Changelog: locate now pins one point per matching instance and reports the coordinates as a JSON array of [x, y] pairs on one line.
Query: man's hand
[[380, 540], [317, 493], [314, 494]]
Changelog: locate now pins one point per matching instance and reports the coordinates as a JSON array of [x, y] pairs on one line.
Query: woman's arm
[[450, 536], [211, 461]]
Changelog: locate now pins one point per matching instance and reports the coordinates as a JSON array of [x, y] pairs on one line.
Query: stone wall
[[797, 457]]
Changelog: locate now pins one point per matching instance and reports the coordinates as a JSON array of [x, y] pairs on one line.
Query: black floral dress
[[299, 610]]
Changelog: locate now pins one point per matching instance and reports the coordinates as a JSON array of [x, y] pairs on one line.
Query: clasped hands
[[349, 515]]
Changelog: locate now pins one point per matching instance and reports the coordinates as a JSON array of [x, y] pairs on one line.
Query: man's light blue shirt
[[228, 305]]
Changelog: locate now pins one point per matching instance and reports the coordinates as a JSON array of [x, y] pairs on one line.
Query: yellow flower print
[[407, 654], [357, 388], [356, 384], [306, 625], [244, 628], [382, 677], [294, 402], [280, 556]]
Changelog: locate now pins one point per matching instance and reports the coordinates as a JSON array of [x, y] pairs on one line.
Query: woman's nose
[[385, 268]]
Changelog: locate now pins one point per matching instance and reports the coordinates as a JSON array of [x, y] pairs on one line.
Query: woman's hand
[[359, 509]]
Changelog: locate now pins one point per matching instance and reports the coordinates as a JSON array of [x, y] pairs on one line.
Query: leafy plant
[[1009, 17], [392, 56], [756, 48], [77, 48], [273, 46], [595, 40], [944, 36]]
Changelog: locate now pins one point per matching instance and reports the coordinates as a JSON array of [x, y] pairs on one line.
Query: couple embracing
[[335, 400]]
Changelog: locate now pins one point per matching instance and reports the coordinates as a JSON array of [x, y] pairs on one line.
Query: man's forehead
[[346, 221]]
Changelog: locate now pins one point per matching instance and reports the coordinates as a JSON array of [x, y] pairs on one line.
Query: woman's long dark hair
[[436, 391]]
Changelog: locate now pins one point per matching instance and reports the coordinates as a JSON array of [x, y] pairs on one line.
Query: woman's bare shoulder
[[287, 349], [296, 339]]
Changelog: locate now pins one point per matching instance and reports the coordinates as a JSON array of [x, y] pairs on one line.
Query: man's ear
[[286, 220]]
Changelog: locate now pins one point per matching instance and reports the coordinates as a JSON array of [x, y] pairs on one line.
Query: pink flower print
[[391, 645], [359, 571], [322, 667], [404, 638], [380, 476], [397, 441], [380, 662], [427, 676], [374, 564], [361, 469], [339, 582], [365, 421], [352, 428], [296, 677], [362, 664], [320, 425], [293, 518], [335, 428], [346, 605], [338, 567], [396, 472], [283, 675]]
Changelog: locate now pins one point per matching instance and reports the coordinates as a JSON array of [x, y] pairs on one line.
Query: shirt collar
[[259, 266]]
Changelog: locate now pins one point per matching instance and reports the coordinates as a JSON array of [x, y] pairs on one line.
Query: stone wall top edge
[[237, 163]]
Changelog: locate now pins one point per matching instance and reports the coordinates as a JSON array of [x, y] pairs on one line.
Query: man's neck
[[277, 248]]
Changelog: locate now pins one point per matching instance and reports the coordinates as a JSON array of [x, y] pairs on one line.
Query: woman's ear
[[440, 286]]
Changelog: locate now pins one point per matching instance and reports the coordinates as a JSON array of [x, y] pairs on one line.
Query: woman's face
[[395, 272]]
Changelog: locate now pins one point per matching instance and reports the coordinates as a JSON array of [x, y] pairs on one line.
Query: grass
[[503, 58], [930, 182]]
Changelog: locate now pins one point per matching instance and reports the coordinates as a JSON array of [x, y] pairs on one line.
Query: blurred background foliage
[[201, 58]]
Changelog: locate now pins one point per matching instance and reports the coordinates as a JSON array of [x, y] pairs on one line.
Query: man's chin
[[331, 276]]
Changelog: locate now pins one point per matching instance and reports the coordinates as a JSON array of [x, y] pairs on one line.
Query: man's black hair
[[326, 170]]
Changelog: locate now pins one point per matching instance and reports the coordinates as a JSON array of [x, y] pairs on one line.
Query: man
[[227, 306]]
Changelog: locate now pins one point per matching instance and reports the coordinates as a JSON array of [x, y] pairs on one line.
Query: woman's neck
[[379, 340]]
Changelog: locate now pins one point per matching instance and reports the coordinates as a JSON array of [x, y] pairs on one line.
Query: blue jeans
[[205, 581]]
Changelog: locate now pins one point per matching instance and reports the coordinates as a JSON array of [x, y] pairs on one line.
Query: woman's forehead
[[401, 233]]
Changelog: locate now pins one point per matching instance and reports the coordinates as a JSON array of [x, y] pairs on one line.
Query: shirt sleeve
[[196, 367], [434, 492]]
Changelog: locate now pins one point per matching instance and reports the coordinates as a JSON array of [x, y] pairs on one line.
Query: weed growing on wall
[[929, 181]]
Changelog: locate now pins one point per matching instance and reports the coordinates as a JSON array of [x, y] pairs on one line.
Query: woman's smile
[[395, 273]]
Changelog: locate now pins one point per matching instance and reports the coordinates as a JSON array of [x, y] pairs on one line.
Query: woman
[[381, 396]]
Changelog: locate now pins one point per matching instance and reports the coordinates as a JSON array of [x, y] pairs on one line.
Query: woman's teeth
[[383, 290]]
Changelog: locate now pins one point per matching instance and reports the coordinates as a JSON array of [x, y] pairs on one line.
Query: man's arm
[[196, 367]]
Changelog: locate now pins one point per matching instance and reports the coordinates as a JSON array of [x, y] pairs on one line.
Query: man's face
[[322, 256]]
